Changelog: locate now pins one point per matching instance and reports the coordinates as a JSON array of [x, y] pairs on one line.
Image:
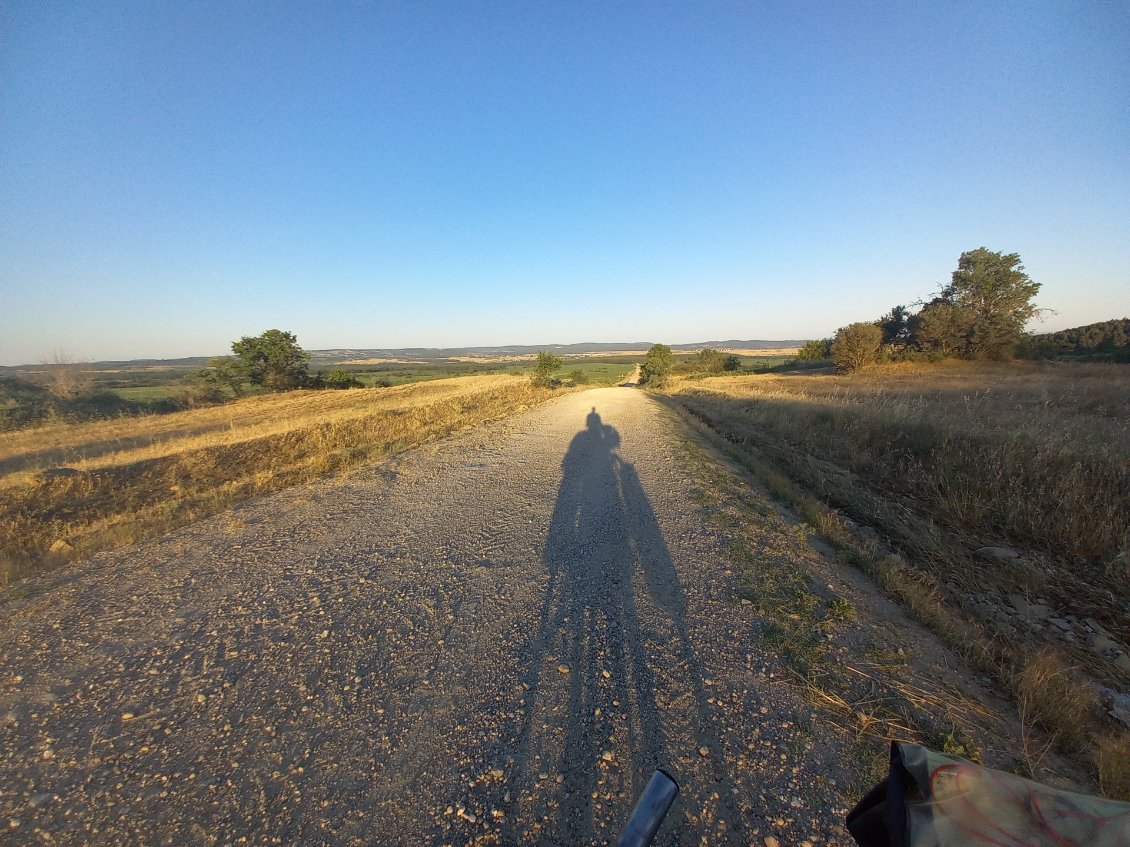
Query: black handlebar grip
[[650, 811]]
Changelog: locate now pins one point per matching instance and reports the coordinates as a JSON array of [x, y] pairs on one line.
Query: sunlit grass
[[946, 458], [140, 476]]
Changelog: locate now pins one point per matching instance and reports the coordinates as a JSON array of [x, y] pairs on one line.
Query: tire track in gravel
[[490, 639]]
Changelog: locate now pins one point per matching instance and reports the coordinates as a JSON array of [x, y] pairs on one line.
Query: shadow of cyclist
[[605, 555]]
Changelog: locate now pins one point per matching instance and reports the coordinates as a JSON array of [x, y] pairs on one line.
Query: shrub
[[224, 373], [732, 363], [341, 378], [656, 365], [547, 365], [856, 346], [710, 360], [820, 348]]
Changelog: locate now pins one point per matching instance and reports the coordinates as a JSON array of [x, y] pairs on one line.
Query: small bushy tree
[[856, 346], [578, 377], [732, 363], [223, 372], [815, 350], [67, 378], [941, 327], [710, 360], [273, 360], [546, 366], [656, 365], [341, 378], [201, 391]]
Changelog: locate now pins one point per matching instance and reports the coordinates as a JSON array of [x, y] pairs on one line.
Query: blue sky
[[175, 175]]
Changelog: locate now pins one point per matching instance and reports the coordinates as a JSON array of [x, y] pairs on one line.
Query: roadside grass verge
[[850, 665], [136, 478], [96, 445], [941, 461]]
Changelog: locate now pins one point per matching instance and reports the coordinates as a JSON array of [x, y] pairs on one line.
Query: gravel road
[[492, 639]]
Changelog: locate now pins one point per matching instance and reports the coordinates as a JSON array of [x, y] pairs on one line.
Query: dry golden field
[[991, 500], [131, 478]]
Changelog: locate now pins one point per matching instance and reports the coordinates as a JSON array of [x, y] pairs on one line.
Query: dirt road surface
[[493, 639]]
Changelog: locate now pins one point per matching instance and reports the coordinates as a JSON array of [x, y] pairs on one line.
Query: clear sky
[[176, 174]]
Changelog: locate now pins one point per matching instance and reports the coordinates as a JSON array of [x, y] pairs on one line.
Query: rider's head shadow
[[599, 432]]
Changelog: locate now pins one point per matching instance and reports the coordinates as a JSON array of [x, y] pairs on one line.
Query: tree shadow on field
[[605, 556]]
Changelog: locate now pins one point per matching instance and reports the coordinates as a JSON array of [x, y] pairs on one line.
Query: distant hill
[[321, 358], [1107, 337], [188, 363], [345, 354], [756, 344]]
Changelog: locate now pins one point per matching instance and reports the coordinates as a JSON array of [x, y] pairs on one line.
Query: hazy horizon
[[625, 344], [436, 174]]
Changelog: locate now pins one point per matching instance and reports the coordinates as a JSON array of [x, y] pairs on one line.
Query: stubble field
[[71, 489]]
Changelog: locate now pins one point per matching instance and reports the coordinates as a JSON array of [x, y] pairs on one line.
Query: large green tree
[[982, 312], [273, 360], [895, 325], [656, 364]]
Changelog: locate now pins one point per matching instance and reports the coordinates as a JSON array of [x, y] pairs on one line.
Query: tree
[[710, 360], [273, 360], [1108, 338], [812, 351], [547, 365], [656, 364], [895, 325], [224, 372], [341, 378], [66, 378], [732, 363], [856, 345], [201, 390], [990, 297], [941, 326]]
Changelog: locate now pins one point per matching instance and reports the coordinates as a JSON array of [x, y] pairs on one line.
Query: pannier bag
[[933, 800]]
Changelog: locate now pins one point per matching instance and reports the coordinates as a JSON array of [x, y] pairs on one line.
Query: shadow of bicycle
[[607, 562]]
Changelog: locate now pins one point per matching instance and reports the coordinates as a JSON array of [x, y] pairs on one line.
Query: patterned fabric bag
[[932, 800]]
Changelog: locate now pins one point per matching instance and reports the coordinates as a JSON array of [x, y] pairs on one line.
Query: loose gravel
[[493, 639]]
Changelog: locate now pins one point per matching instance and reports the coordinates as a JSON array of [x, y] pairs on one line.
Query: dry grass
[[143, 476], [1032, 456], [119, 441], [941, 460], [1114, 766], [1049, 695]]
